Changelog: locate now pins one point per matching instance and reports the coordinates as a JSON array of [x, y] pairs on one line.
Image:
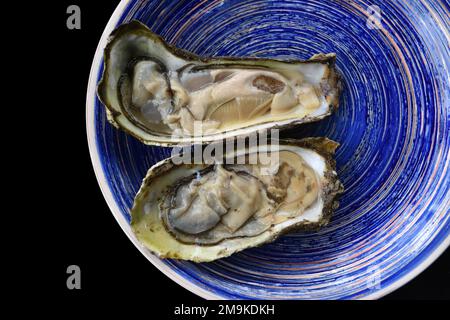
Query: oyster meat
[[163, 95], [204, 212]]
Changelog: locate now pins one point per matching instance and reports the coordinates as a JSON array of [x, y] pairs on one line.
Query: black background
[[85, 232]]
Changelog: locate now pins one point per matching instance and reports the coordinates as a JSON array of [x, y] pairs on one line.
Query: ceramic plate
[[393, 125]]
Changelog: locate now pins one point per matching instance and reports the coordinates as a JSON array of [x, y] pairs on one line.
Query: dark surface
[[110, 263]]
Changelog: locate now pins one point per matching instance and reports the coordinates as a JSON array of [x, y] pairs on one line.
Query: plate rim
[[123, 223]]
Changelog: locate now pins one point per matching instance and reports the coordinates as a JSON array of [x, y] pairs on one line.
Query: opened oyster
[[204, 212], [163, 95]]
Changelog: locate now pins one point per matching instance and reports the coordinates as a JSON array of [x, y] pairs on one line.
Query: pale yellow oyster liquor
[[163, 95]]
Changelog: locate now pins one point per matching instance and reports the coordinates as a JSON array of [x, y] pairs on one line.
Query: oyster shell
[[204, 212], [163, 95]]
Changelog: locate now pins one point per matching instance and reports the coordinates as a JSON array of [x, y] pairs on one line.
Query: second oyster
[[203, 212]]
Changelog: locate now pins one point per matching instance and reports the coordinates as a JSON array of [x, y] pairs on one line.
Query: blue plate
[[393, 125]]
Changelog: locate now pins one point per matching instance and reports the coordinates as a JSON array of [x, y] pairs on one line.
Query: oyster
[[203, 212], [163, 95]]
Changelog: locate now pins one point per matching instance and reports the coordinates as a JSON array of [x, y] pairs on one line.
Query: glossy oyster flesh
[[163, 95], [205, 212]]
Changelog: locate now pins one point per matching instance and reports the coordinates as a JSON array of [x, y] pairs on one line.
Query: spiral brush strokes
[[393, 125]]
